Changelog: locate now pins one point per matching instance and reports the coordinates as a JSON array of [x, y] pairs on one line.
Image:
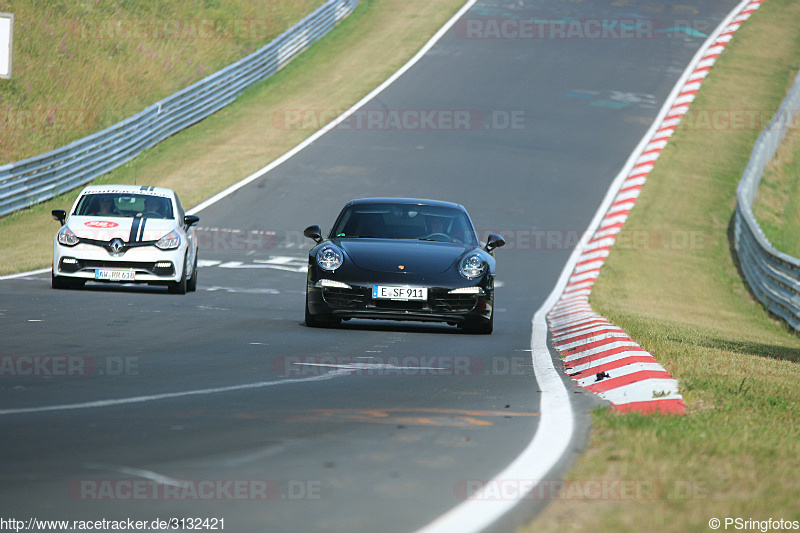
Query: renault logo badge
[[117, 245]]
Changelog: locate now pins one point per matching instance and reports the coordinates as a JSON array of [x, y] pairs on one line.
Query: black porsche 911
[[401, 259]]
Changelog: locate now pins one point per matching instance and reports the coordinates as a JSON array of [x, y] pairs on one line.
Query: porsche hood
[[395, 255]]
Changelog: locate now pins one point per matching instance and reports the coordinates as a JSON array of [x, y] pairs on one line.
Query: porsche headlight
[[170, 241], [66, 237], [472, 266], [330, 258]]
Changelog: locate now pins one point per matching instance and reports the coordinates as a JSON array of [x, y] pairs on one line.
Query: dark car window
[[124, 205], [404, 221]]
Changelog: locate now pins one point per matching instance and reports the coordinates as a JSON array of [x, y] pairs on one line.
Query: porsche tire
[[314, 322], [480, 327]]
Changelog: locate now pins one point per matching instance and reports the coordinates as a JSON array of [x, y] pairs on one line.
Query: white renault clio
[[126, 234]]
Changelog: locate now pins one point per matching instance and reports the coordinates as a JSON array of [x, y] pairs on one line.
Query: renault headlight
[[170, 241], [66, 237]]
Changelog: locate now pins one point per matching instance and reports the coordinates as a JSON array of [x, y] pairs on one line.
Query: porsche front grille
[[455, 303], [336, 297]]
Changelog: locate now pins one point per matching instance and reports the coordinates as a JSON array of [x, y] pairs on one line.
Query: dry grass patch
[[82, 66]]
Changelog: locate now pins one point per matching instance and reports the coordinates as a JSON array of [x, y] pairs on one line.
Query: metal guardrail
[[42, 177], [774, 277]]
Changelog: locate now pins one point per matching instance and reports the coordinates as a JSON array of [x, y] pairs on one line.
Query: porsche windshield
[[124, 205], [405, 221]]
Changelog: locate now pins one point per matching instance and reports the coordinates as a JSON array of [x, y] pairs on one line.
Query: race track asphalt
[[526, 132]]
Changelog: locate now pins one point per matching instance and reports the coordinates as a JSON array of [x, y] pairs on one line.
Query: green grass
[[82, 66], [737, 451], [363, 51], [779, 195]]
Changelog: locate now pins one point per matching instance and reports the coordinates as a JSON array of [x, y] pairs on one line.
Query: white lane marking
[[301, 270], [556, 422], [168, 395], [26, 274], [243, 266], [211, 308], [161, 479], [279, 260], [254, 290]]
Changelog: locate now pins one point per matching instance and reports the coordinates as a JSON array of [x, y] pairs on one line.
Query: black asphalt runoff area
[[222, 404]]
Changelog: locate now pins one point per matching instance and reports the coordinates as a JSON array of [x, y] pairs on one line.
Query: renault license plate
[[108, 274]]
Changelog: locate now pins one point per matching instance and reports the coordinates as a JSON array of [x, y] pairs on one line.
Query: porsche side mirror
[[190, 220], [494, 241], [314, 233], [60, 215]]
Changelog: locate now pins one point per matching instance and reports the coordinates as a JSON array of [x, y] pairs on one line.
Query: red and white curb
[[597, 354]]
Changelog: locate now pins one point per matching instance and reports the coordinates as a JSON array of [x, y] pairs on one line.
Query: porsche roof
[[411, 201]]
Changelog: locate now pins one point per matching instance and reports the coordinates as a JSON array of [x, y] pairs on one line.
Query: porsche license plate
[[114, 274], [383, 292]]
